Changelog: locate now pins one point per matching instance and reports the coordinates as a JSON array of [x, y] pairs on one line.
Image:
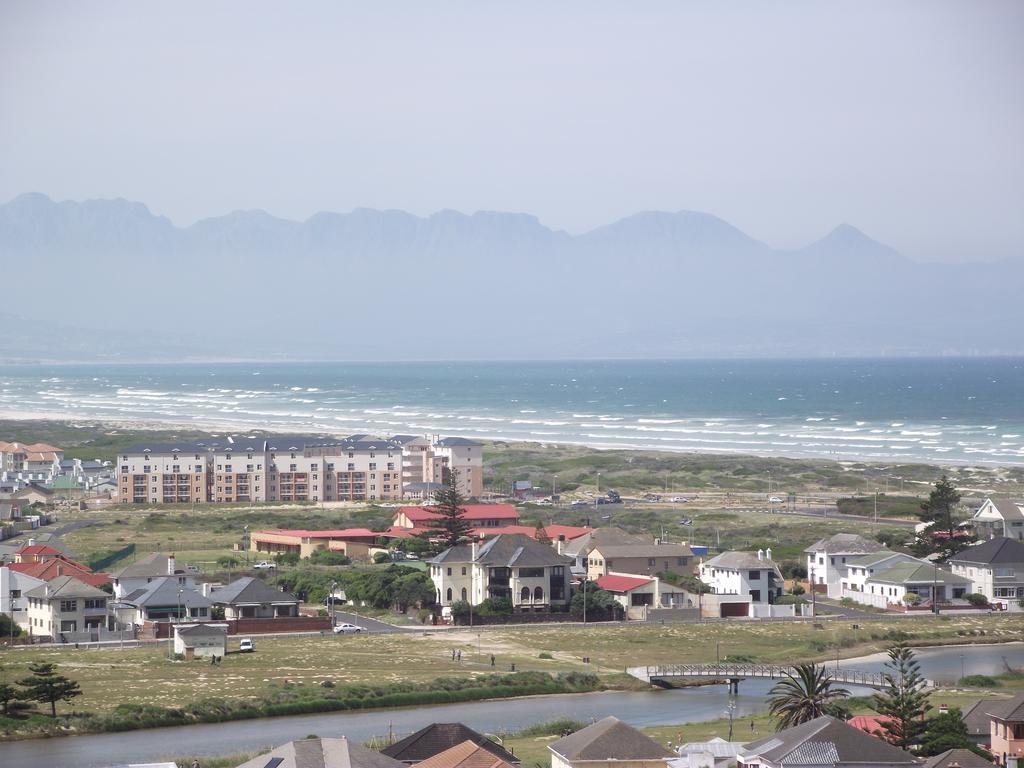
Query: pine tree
[[45, 685], [938, 508], [904, 700], [8, 693], [946, 730], [449, 503]]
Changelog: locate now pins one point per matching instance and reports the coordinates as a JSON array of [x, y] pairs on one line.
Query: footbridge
[[663, 674]]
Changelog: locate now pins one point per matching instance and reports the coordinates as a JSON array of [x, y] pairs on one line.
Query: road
[[370, 625]]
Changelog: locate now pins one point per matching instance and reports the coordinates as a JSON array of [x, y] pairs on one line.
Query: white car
[[266, 565], [775, 500], [347, 629], [679, 500], [246, 645]]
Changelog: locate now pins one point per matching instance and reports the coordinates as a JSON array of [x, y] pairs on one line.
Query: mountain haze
[[374, 284]]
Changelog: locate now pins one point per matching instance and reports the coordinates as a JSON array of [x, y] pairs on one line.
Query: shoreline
[[115, 427]]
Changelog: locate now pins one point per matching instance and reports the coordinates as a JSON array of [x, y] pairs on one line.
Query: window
[[449, 594], [373, 465], [68, 606], [463, 570], [754, 576], [227, 467], [681, 560], [96, 603], [651, 561], [314, 467], [449, 571], [538, 595], [391, 466], [293, 467], [524, 595], [531, 573], [351, 467], [463, 593]]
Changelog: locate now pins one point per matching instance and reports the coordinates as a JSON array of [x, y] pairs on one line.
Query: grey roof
[[505, 549], [449, 442], [65, 586], [249, 590], [826, 741], [152, 565], [961, 758], [718, 747], [865, 561], [322, 753], [609, 739], [1007, 507], [976, 718], [581, 545], [643, 550], [438, 737], [918, 573], [201, 629], [845, 544], [998, 550], [1008, 709], [736, 561], [164, 592]]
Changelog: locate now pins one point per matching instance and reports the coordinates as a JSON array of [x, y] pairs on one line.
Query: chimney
[[31, 543], [657, 541], [760, 554], [171, 564], [473, 548], [559, 544], [768, 554], [205, 588]]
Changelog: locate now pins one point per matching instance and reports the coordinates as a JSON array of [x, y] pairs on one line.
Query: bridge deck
[[745, 671]]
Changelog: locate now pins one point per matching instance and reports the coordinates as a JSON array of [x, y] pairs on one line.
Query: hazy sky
[[903, 118]]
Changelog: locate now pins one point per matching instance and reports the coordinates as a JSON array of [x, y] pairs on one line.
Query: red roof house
[[478, 515], [61, 566], [617, 583]]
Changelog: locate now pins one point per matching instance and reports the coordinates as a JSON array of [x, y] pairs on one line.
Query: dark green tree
[[946, 730], [451, 524], [8, 628], [806, 693], [8, 693], [599, 603], [904, 700], [46, 686], [937, 510]]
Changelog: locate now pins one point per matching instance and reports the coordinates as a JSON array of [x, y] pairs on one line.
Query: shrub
[[288, 558], [544, 655], [791, 600], [979, 681], [327, 557], [495, 606], [976, 599], [848, 602], [911, 598], [381, 557], [797, 590]]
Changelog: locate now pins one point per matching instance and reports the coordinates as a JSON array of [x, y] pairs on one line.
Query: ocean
[[948, 410]]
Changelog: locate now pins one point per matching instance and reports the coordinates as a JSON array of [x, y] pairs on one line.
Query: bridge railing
[[770, 671]]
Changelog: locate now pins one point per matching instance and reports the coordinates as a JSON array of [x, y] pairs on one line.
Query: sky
[[904, 119]]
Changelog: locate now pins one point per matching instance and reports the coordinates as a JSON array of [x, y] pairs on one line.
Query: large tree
[[806, 693], [904, 700], [449, 504], [946, 730], [937, 510], [46, 686]]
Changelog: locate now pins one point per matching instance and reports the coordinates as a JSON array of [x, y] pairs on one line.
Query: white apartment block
[[292, 468]]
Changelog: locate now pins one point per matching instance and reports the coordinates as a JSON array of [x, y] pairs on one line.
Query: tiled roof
[[66, 586], [438, 737], [164, 591], [866, 561], [614, 583], [340, 533], [870, 723], [1010, 710], [59, 566], [736, 561], [998, 550], [570, 532], [152, 565], [39, 549], [918, 573], [976, 718], [825, 741], [468, 754], [957, 758], [248, 590], [609, 739], [470, 512], [643, 550], [321, 753], [845, 544]]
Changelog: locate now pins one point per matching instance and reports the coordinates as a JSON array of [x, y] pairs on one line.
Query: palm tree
[[805, 694]]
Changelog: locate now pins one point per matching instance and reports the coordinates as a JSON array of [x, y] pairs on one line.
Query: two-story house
[[995, 568], [827, 558], [1006, 734], [884, 581], [63, 607], [13, 587], [514, 566], [164, 599], [641, 559], [747, 574], [147, 569], [999, 516], [860, 569]]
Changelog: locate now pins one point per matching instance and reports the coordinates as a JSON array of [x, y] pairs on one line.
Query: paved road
[[370, 625]]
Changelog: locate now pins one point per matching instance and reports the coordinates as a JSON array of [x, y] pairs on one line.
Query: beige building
[[641, 559], [65, 605], [432, 459]]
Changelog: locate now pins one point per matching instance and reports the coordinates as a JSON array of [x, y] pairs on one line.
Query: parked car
[[679, 499], [246, 645], [580, 503], [347, 629], [614, 498], [775, 500], [192, 569], [686, 521], [411, 556], [266, 565]]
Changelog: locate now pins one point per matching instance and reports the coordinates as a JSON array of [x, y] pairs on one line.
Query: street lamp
[[553, 479], [963, 672], [334, 587]]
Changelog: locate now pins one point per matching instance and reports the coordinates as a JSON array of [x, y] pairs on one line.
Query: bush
[[979, 681], [381, 557], [911, 598], [227, 561], [791, 600], [328, 557], [848, 602], [423, 615], [495, 606], [288, 558], [797, 590], [544, 655], [976, 599]]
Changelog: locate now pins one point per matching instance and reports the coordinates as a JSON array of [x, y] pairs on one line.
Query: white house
[[13, 586], [827, 558], [143, 571], [860, 569], [635, 591], [530, 574], [995, 568], [747, 574], [999, 516], [202, 640], [888, 586]]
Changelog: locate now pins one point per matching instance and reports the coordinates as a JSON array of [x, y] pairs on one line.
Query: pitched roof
[[39, 549], [643, 550], [917, 573], [998, 550], [164, 591], [65, 586], [339, 533], [201, 629], [321, 753], [1007, 508], [61, 566], [449, 442], [846, 544], [470, 512], [438, 737], [976, 718], [609, 739], [570, 532], [826, 741], [869, 723], [468, 754], [1009, 709], [866, 561], [735, 561], [958, 758], [153, 564], [249, 589], [505, 549], [616, 583], [717, 746]]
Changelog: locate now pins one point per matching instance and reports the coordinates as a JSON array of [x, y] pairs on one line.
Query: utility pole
[[813, 595]]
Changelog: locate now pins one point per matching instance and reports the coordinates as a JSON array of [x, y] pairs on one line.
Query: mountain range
[[109, 279]]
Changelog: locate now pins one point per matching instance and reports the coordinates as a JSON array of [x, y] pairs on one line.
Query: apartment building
[[293, 468], [36, 461], [431, 459]]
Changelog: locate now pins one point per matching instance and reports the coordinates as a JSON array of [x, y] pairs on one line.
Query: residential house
[[747, 574], [145, 570], [957, 758], [354, 542], [13, 586], [1006, 728], [418, 519], [977, 720], [640, 559], [163, 599], [999, 516], [889, 587], [633, 591], [714, 753], [468, 754], [250, 598], [579, 547], [824, 742], [65, 606], [609, 742], [995, 568], [530, 574], [321, 753], [438, 737], [826, 560], [61, 565], [201, 640], [860, 569]]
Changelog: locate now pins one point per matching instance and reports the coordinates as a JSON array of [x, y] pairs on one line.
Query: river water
[[637, 708]]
